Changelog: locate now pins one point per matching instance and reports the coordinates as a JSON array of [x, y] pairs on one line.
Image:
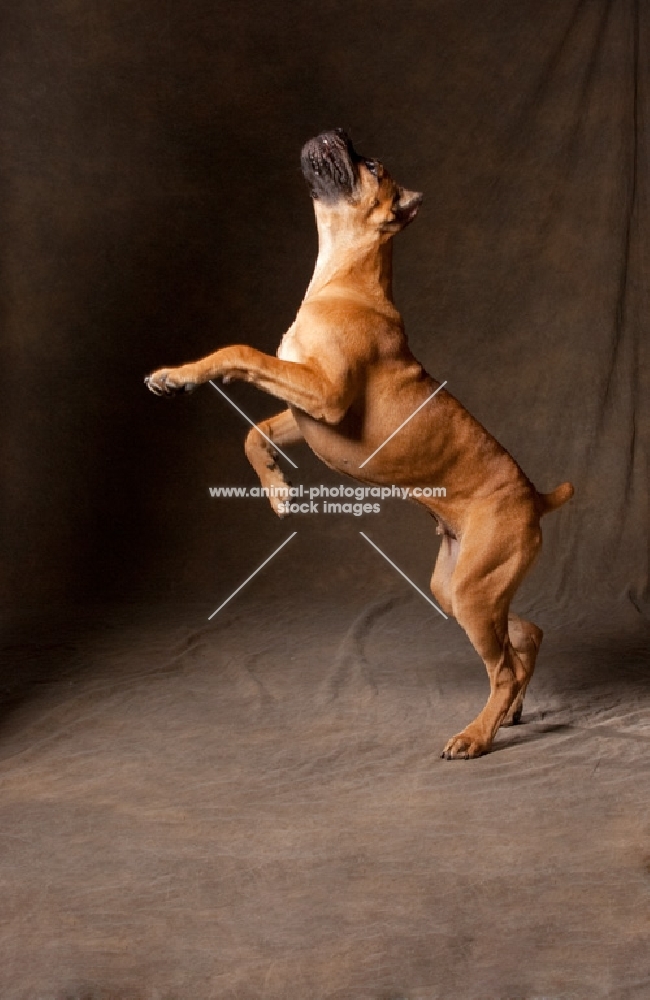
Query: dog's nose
[[337, 136]]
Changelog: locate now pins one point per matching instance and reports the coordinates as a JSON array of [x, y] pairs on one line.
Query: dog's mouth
[[330, 166]]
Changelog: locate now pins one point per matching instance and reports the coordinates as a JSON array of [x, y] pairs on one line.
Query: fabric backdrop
[[153, 211]]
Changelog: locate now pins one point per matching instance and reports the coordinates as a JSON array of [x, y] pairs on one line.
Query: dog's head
[[340, 179]]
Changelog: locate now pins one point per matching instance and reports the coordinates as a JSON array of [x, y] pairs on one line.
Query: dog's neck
[[348, 256]]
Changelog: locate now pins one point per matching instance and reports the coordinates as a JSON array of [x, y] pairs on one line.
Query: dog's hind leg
[[492, 561], [443, 570], [281, 429], [526, 638]]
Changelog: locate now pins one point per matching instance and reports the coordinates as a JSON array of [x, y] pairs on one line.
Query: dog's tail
[[551, 501]]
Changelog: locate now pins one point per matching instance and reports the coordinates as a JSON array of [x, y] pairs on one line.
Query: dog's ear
[[407, 206]]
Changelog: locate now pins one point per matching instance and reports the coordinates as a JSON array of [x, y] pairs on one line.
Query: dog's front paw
[[280, 509], [463, 746], [168, 382]]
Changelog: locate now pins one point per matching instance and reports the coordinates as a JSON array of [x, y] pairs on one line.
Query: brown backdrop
[[153, 210]]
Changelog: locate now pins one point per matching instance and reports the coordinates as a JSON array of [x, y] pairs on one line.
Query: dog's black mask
[[330, 166]]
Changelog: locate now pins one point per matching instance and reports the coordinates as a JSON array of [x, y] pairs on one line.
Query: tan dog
[[345, 369]]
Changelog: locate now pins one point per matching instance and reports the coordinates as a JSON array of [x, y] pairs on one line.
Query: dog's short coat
[[349, 378]]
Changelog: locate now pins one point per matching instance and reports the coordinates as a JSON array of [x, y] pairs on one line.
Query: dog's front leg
[[300, 385], [281, 429]]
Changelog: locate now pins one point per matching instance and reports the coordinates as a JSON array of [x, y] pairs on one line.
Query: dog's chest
[[289, 349]]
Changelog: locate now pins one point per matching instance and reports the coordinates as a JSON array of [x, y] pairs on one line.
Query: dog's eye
[[372, 167]]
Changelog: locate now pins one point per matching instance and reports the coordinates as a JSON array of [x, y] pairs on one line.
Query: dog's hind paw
[[464, 746], [513, 718]]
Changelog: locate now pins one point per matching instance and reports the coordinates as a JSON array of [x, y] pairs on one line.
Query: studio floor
[[255, 807]]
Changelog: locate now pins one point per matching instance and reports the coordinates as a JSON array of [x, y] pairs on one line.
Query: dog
[[346, 372]]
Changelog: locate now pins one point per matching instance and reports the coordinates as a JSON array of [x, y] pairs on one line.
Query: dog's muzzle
[[329, 165]]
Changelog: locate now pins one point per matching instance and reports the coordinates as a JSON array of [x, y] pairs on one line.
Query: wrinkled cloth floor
[[256, 807]]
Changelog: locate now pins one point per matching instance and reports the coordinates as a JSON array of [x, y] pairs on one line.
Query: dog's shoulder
[[358, 319]]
